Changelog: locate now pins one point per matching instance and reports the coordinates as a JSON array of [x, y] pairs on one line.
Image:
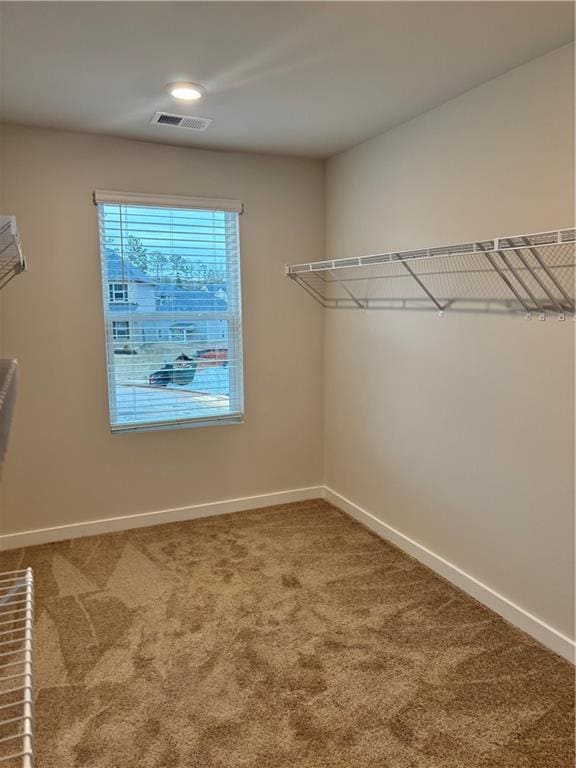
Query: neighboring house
[[130, 291], [171, 299]]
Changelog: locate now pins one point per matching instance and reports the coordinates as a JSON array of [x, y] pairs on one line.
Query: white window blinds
[[172, 308]]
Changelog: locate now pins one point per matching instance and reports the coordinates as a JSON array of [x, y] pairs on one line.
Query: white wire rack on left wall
[[11, 258], [16, 669]]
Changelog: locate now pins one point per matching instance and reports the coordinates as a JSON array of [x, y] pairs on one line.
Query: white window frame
[[233, 316], [116, 287], [126, 329]]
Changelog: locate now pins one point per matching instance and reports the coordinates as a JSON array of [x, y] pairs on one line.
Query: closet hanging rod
[[532, 273]]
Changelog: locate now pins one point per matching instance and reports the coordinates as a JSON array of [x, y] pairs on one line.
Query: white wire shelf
[[16, 673], [11, 258], [8, 377], [532, 274]]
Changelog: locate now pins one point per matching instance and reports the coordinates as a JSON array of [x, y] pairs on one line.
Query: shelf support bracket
[[561, 310], [522, 282], [308, 288], [421, 284], [345, 288], [507, 282], [549, 273]]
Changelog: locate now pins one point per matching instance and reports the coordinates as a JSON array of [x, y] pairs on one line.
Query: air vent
[[182, 121]]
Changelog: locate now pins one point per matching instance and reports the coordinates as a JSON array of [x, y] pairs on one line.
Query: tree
[[177, 266], [160, 262], [136, 253], [171, 266]]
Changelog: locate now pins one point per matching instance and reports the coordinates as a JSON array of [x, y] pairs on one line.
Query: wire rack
[[8, 376], [16, 681], [532, 274], [11, 258]]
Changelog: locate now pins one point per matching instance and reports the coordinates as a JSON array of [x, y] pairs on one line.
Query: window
[[183, 332], [121, 329], [117, 293], [171, 279]]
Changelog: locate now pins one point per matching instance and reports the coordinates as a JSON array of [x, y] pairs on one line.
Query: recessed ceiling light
[[186, 91]]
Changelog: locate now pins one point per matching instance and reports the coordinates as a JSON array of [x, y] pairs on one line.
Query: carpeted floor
[[288, 637]]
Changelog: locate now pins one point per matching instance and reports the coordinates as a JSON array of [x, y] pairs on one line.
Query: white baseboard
[[501, 605], [95, 527]]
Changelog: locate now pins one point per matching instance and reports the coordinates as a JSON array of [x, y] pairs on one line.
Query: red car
[[211, 357]]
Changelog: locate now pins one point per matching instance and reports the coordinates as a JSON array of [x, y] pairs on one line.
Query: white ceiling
[[301, 78]]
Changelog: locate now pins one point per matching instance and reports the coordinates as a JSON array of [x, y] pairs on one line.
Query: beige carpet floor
[[288, 637]]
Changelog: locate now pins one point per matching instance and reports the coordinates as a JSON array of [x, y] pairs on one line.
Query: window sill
[[215, 421]]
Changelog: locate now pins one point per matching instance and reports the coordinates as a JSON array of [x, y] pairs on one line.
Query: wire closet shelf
[[16, 682], [11, 258], [532, 274]]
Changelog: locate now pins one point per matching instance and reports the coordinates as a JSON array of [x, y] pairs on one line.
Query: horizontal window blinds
[[172, 307]]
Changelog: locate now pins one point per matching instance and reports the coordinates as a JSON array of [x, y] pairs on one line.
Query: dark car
[[180, 372]]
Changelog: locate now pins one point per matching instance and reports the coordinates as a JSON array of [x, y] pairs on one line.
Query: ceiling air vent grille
[[182, 121]]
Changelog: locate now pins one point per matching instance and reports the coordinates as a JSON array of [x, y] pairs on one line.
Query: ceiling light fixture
[[186, 91]]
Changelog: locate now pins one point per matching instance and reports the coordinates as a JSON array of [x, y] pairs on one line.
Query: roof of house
[[177, 299], [122, 270]]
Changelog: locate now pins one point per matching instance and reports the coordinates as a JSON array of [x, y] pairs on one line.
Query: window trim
[[159, 426], [113, 289], [233, 316], [125, 329], [102, 196]]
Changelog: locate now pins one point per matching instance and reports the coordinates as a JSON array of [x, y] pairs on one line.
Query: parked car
[[181, 371], [211, 357]]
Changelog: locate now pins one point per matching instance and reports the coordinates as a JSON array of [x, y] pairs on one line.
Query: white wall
[[63, 465], [458, 431]]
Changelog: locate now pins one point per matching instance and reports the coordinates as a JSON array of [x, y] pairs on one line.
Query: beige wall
[[458, 431], [63, 464]]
